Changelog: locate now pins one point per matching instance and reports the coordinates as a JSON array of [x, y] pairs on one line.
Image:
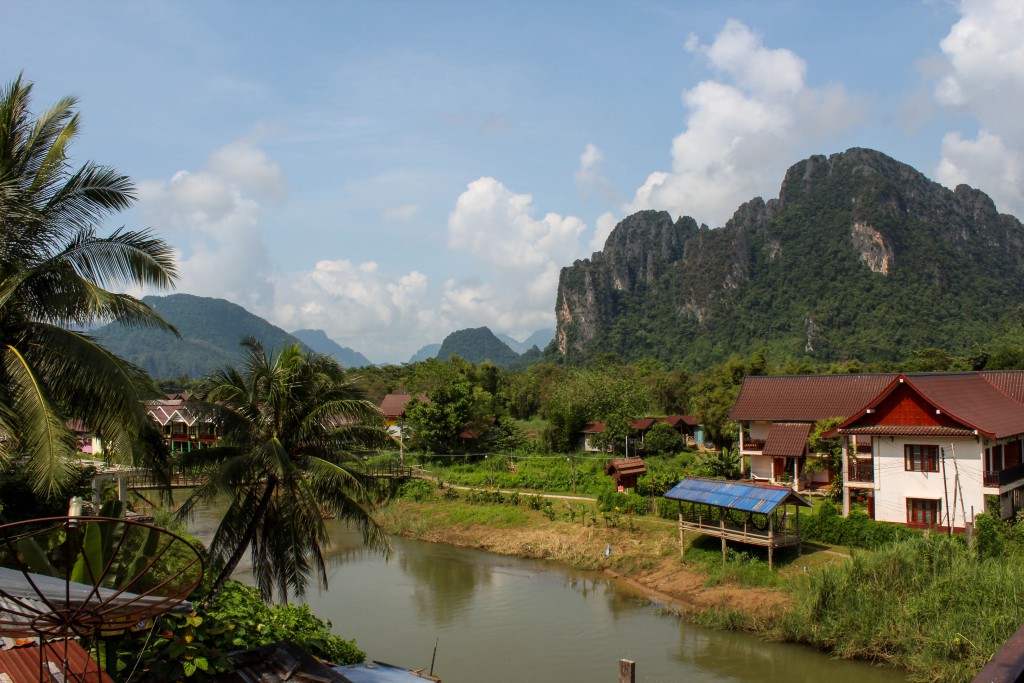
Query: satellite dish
[[87, 577]]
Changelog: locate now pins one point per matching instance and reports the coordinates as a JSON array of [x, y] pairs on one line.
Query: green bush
[[418, 490], [857, 531], [194, 647], [626, 503]]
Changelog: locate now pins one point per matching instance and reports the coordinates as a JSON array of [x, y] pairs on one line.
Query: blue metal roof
[[735, 495]]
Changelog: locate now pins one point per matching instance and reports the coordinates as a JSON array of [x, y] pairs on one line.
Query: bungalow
[[924, 449], [688, 427], [776, 416], [183, 428]]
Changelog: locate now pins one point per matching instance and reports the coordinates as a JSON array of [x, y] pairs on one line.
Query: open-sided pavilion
[[744, 512]]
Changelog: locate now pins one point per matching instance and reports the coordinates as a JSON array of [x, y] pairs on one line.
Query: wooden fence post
[[627, 671]]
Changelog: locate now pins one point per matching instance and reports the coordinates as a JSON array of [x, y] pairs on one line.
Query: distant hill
[[428, 351], [540, 339], [477, 345], [321, 343], [211, 330], [859, 257]]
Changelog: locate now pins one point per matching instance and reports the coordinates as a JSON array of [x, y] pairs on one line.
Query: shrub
[[417, 490], [625, 502]]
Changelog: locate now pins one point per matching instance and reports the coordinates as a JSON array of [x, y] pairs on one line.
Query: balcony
[[753, 445], [864, 448], [996, 478], [861, 470]]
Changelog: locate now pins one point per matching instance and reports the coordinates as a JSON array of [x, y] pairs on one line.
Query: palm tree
[[56, 275], [291, 425]]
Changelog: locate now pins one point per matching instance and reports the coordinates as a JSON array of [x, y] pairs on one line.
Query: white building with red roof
[[924, 449]]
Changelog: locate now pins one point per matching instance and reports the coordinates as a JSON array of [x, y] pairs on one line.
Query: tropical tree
[[292, 426], [57, 275]]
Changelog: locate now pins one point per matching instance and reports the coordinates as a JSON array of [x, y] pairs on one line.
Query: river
[[498, 619]]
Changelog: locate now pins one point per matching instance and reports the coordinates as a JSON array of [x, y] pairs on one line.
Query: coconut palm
[[56, 275], [291, 428]]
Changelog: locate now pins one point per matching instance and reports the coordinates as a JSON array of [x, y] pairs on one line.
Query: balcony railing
[[753, 444], [864, 448], [861, 470], [1004, 476]]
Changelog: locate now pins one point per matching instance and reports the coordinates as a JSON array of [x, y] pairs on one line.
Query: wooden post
[[722, 525], [627, 671], [771, 541], [682, 533], [800, 539]]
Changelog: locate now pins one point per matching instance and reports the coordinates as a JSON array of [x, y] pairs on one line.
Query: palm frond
[[41, 431]]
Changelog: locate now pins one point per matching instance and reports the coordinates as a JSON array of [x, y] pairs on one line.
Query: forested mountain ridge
[[478, 345], [860, 256], [321, 343], [211, 331]]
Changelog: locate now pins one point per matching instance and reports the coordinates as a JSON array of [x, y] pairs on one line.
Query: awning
[[787, 439]]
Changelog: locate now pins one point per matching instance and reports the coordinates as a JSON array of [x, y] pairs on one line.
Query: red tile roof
[[805, 398], [787, 439], [905, 430], [393, 405]]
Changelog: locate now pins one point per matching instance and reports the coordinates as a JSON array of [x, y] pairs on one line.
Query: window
[[921, 458], [923, 511]]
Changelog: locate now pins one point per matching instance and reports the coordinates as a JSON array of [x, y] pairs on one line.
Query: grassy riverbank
[[927, 605]]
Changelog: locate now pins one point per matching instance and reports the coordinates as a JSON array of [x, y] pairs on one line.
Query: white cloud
[[521, 254], [400, 214], [212, 217], [744, 130], [358, 306], [606, 222], [590, 178], [985, 79]]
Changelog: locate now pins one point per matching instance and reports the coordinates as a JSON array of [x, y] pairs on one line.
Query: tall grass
[[927, 604]]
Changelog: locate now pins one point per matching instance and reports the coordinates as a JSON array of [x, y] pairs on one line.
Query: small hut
[[625, 471]]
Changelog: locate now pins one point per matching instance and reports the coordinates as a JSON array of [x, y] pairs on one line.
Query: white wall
[[759, 430], [760, 467], [893, 484]]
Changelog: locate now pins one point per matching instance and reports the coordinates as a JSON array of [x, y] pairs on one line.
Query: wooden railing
[[389, 471], [753, 444], [861, 470], [1004, 476]]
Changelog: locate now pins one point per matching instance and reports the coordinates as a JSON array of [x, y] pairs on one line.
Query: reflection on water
[[508, 619]]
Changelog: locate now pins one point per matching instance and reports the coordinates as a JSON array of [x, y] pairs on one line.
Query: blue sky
[[393, 171]]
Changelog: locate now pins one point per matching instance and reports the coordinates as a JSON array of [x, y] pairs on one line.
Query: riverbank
[[643, 552]]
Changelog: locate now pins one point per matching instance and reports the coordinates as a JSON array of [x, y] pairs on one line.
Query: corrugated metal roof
[[735, 495], [379, 672], [21, 665], [787, 439]]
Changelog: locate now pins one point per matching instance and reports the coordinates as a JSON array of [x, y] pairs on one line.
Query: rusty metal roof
[[21, 664], [735, 495], [805, 398], [593, 428], [787, 439]]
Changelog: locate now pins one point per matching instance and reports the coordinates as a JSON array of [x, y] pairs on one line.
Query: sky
[[390, 171]]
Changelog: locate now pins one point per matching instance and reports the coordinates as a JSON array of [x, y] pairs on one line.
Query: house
[[183, 428], [923, 449], [688, 427], [392, 407], [776, 416]]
